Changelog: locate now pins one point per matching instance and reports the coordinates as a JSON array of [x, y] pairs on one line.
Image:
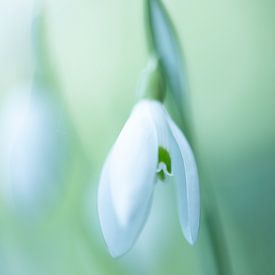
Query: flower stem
[[43, 67], [160, 31], [152, 84], [218, 241], [212, 218]]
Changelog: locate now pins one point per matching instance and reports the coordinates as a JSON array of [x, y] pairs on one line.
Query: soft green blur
[[98, 50]]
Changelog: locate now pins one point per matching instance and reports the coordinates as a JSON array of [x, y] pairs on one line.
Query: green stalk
[[43, 67], [178, 90], [152, 84], [210, 209]]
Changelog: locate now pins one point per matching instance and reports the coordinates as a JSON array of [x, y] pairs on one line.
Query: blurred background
[[95, 52]]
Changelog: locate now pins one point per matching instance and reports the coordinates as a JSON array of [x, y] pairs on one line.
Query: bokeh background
[[97, 50]]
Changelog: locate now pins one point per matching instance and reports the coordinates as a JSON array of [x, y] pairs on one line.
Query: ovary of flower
[[149, 148]]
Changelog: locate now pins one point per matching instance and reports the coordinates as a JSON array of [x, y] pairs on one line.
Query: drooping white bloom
[[33, 147], [150, 147]]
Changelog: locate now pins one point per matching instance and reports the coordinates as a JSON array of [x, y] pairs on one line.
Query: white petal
[[185, 171], [127, 182], [159, 117], [119, 239], [133, 163]]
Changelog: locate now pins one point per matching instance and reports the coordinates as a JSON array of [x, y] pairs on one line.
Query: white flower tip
[[192, 238], [191, 231], [116, 252]]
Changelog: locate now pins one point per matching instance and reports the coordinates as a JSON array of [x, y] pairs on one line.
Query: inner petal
[[164, 167]]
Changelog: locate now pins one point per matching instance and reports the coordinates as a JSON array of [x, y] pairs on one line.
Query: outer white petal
[[127, 182], [159, 117], [119, 239], [185, 171]]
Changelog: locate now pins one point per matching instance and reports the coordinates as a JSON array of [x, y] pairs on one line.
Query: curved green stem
[[215, 232], [152, 84], [212, 217], [43, 67], [156, 16]]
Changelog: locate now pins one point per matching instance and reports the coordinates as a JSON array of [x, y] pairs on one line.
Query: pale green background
[[98, 49]]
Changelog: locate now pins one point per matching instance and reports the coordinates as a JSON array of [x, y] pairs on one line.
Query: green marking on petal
[[164, 157], [164, 164]]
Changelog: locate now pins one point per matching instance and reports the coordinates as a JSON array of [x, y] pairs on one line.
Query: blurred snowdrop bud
[[34, 138], [149, 149], [33, 148]]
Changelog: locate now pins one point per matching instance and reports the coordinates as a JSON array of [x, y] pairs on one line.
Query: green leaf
[[165, 43]]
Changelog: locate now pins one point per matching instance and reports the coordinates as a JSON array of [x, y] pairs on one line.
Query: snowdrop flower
[[149, 149], [33, 147], [34, 135]]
